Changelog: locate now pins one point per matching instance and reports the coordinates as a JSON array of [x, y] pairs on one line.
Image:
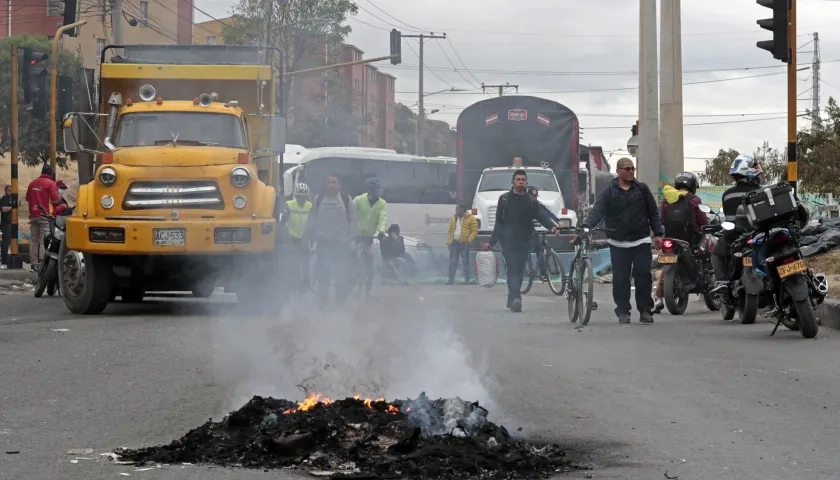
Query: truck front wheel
[[85, 281]]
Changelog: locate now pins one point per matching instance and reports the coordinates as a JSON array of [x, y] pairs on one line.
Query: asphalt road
[[694, 396]]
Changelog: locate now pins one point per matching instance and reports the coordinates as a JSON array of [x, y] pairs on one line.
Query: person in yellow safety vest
[[371, 218], [295, 215]]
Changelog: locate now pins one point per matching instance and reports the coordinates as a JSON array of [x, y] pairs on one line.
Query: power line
[[395, 18], [450, 62], [455, 51], [433, 73], [624, 127]]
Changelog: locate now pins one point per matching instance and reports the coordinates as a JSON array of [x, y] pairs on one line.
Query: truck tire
[[86, 288]]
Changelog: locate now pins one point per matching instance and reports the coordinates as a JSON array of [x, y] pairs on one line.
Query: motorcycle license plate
[[748, 261], [170, 237], [667, 259], [791, 268]]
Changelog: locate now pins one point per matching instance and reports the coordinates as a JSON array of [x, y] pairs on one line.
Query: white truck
[[495, 181]]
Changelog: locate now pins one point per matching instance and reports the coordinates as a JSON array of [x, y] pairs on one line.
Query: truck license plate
[[667, 259], [170, 237], [791, 268], [748, 261]]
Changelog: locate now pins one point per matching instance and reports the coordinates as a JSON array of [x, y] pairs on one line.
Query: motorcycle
[[747, 288], [48, 273], [794, 289], [687, 268]]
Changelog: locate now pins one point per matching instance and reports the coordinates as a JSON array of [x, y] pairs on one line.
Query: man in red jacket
[[41, 193]]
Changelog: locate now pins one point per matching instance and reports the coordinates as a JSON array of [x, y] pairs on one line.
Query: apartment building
[[373, 91], [150, 22]]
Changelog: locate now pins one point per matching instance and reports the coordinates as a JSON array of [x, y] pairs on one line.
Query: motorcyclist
[[746, 171], [371, 214], [681, 217]]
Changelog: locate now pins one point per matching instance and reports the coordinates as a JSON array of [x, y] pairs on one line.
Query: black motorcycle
[[777, 218], [747, 289], [48, 273], [687, 268]]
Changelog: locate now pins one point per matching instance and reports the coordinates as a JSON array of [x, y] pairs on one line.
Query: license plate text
[[791, 268], [170, 237]]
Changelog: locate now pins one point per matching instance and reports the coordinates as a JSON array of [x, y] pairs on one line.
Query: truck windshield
[[159, 128], [500, 180]]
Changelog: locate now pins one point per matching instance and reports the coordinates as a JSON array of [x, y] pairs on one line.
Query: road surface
[[694, 396]]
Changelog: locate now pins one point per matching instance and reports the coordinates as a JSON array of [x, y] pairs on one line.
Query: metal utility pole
[[421, 114], [501, 88], [647, 161], [14, 261], [54, 85], [671, 148], [816, 121], [791, 94], [117, 23]]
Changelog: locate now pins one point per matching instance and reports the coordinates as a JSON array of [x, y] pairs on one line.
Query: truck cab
[[497, 180]]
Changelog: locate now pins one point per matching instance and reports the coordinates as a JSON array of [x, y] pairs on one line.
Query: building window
[[144, 13], [211, 40], [100, 45]]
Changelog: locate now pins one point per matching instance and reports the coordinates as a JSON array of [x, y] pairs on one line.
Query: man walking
[[514, 227], [371, 215], [41, 194], [462, 231], [332, 224], [630, 213], [6, 224], [295, 216]]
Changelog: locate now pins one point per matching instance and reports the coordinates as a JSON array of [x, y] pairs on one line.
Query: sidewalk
[[20, 275]]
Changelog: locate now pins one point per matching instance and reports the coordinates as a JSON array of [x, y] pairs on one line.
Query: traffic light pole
[[54, 88], [14, 261], [791, 97]]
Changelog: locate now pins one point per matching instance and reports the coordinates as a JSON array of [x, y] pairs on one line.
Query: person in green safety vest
[[371, 218], [295, 216]]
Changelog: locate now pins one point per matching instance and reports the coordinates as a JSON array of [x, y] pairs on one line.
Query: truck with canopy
[[185, 184]]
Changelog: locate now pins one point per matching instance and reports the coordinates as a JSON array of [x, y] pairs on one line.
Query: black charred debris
[[355, 439]]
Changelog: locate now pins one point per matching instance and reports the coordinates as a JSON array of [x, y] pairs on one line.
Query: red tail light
[[789, 260], [668, 244], [749, 241]]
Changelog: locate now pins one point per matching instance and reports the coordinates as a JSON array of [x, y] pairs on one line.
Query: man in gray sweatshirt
[[332, 225]]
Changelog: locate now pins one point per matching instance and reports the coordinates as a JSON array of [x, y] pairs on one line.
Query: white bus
[[420, 191]]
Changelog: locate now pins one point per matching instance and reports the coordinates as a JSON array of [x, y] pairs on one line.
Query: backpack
[[348, 203], [500, 214], [679, 220]]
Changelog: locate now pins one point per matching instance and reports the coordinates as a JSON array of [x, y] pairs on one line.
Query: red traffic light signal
[[31, 71]]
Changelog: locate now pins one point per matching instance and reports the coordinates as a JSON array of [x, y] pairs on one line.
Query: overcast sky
[[585, 56]]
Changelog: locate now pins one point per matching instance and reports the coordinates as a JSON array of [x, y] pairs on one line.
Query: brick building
[[157, 22], [373, 91]]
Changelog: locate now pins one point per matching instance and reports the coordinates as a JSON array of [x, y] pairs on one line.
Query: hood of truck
[[485, 204], [177, 156]]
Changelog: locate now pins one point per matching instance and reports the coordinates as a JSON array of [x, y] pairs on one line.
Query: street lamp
[[453, 89]]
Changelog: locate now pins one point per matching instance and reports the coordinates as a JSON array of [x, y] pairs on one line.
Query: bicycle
[[362, 250], [548, 262], [580, 280]]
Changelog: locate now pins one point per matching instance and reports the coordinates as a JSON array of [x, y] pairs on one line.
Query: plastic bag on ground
[[486, 268]]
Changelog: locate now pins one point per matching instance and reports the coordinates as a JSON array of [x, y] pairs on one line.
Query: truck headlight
[[239, 202], [107, 202], [240, 176], [108, 176]]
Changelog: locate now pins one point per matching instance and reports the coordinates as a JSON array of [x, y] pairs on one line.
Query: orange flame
[[317, 398]]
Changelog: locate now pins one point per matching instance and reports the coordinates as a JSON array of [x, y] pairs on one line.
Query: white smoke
[[396, 348]]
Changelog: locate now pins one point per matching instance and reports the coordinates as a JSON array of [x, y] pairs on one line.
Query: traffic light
[[34, 66], [40, 96], [779, 25], [396, 47], [634, 130]]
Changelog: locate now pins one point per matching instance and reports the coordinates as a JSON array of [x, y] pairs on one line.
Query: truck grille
[[491, 220], [157, 194]]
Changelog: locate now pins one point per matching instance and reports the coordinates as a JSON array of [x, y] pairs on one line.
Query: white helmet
[[301, 190], [745, 167]]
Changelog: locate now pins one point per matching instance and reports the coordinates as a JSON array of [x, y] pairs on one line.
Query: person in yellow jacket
[[462, 231], [295, 217], [371, 218]]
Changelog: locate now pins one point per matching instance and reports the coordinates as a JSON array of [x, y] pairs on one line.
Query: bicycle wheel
[[585, 292], [554, 270], [529, 275], [571, 291]]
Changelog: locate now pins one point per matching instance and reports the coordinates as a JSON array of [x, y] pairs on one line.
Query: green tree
[[310, 33], [773, 163], [717, 169], [439, 139], [818, 154], [33, 132]]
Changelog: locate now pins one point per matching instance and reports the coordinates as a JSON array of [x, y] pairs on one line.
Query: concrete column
[[648, 157], [671, 152]]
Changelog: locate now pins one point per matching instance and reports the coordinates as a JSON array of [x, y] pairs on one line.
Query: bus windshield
[[501, 180], [191, 128]]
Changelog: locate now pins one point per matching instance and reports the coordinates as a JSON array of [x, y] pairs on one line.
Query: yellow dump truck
[[182, 192]]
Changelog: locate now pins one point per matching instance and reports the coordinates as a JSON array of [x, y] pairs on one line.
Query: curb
[[21, 275], [829, 314]]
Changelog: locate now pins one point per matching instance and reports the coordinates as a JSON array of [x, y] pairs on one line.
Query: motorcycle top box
[[770, 206]]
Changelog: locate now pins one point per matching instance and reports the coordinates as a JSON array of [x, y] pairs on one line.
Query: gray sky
[[585, 56]]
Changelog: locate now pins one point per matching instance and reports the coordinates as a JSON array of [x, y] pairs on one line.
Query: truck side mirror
[[278, 135], [71, 134]]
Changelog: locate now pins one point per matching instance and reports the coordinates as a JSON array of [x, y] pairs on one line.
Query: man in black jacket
[[630, 213], [514, 227]]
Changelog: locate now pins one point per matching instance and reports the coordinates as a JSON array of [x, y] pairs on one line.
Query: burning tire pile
[[362, 438]]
